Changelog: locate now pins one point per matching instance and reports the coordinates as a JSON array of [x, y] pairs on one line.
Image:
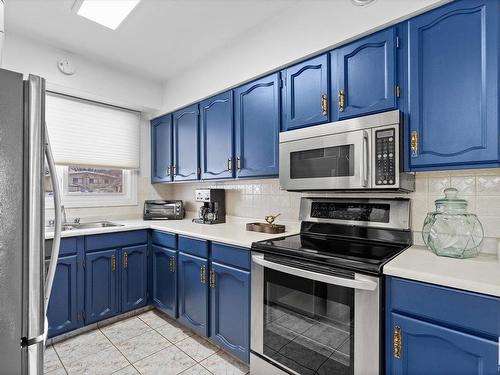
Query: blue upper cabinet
[[230, 309], [161, 149], [186, 150], [453, 94], [193, 292], [364, 76], [165, 279], [101, 285], [63, 312], [427, 348], [216, 126], [305, 93], [257, 127], [134, 286]]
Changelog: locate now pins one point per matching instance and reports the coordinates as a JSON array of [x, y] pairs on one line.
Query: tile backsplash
[[257, 198]]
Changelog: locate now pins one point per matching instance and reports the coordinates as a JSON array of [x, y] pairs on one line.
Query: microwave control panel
[[385, 156]]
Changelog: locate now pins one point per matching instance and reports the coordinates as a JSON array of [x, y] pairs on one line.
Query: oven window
[[308, 325], [337, 161]]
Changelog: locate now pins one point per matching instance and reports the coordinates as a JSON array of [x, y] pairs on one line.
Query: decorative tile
[[196, 370], [169, 361], [466, 185], [438, 184], [125, 329], [152, 319], [81, 346], [102, 363], [129, 370], [174, 332], [141, 346], [221, 363], [51, 361], [488, 185], [197, 348]]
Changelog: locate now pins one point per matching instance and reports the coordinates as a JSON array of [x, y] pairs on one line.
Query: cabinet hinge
[[398, 91], [397, 42]]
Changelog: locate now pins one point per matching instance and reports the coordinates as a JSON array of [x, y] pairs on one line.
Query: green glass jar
[[451, 231]]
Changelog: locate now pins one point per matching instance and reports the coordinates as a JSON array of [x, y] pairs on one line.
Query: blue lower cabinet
[[164, 293], [101, 285], [432, 349], [63, 312], [134, 278], [230, 309], [193, 292]]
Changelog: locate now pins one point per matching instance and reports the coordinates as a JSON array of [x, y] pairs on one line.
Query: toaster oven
[[163, 210]]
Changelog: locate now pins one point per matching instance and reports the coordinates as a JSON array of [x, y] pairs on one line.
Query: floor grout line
[[60, 360]]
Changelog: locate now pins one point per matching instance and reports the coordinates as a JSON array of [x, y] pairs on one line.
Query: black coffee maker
[[213, 210]]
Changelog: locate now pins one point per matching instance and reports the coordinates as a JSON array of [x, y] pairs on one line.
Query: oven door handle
[[357, 283], [366, 159]]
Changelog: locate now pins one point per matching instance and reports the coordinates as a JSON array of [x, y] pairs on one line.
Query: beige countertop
[[233, 232], [481, 274]]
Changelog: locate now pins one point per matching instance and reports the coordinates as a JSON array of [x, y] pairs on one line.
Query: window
[[96, 151]]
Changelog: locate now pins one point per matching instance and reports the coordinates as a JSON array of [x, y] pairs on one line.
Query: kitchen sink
[[91, 225]]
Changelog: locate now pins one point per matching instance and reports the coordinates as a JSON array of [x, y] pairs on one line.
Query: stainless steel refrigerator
[[24, 284]]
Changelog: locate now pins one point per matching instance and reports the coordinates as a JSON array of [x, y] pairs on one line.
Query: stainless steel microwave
[[356, 154]]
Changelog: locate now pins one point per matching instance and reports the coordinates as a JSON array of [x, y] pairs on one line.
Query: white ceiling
[[158, 39]]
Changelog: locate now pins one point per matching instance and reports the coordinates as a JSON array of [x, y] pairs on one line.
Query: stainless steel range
[[316, 296]]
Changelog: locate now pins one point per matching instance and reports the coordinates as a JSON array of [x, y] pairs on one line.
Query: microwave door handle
[[366, 159], [358, 283]]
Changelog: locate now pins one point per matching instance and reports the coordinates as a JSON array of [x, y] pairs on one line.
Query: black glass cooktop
[[353, 254]]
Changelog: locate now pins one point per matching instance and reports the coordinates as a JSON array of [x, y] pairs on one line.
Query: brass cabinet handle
[[212, 279], [174, 170], [238, 163], [172, 264], [414, 143], [125, 260], [168, 171], [397, 342], [113, 263], [341, 100], [324, 104], [203, 276], [229, 164]]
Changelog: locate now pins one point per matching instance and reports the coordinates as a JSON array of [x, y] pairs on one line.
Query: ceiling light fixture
[[109, 13]]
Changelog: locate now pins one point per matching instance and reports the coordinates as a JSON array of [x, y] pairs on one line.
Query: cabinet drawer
[[68, 246], [164, 239], [115, 240], [447, 306], [231, 255], [193, 246]]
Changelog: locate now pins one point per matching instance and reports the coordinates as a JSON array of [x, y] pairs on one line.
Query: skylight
[[109, 13]]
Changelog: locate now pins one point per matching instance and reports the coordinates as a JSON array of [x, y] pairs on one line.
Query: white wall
[[92, 80], [302, 30]]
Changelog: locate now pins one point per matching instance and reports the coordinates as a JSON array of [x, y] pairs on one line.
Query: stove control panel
[[374, 212], [385, 157]]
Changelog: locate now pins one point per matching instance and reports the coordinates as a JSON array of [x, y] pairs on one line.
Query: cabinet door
[[186, 150], [230, 309], [431, 349], [216, 126], [365, 76], [306, 90], [62, 313], [165, 280], [453, 95], [193, 292], [257, 126], [101, 278], [134, 285], [161, 149]]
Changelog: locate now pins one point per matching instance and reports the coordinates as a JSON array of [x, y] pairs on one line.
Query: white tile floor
[[149, 343]]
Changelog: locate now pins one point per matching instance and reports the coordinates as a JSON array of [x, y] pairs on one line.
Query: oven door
[[337, 161], [310, 319]]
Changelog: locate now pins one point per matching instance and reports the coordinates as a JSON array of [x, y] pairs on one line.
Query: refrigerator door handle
[[57, 216]]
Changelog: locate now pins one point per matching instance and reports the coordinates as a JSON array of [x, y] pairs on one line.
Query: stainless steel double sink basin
[[90, 225]]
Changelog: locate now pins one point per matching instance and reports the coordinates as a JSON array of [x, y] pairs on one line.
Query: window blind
[[92, 134]]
